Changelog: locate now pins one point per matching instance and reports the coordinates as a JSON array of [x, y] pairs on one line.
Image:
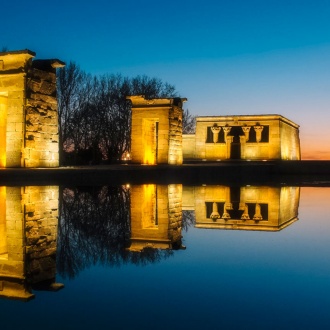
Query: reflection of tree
[[188, 219], [94, 227]]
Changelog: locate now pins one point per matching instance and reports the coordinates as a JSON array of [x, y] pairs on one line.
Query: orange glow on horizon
[[318, 151]]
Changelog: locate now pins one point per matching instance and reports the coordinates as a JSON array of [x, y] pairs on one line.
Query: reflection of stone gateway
[[156, 217], [28, 230]]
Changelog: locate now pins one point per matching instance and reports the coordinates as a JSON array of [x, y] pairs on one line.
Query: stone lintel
[[241, 119], [139, 101], [48, 65], [15, 61]]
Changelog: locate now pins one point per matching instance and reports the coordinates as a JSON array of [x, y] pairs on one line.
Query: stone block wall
[[289, 201], [28, 110], [30, 233], [188, 146], [290, 142], [175, 134], [41, 221], [41, 132], [175, 214]]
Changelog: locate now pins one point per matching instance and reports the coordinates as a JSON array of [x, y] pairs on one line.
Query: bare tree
[[94, 115], [188, 122]]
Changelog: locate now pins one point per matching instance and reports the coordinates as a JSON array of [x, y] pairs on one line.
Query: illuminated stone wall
[[156, 136], [245, 208], [188, 146], [28, 257], [156, 216], [290, 143], [28, 110], [260, 137]]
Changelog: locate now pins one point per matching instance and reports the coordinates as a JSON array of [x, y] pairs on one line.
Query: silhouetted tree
[[74, 90], [94, 115], [188, 122]]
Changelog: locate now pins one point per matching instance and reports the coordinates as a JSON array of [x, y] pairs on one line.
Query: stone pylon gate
[[28, 110], [156, 136]]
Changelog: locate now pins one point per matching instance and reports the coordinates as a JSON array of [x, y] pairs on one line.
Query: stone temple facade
[[249, 137], [157, 137], [28, 110]]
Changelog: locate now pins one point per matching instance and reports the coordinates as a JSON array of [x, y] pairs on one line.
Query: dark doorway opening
[[235, 151]]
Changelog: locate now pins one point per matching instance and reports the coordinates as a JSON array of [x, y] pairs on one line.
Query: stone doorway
[[235, 149], [150, 141]]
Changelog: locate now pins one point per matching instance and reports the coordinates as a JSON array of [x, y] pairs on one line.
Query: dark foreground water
[[167, 257]]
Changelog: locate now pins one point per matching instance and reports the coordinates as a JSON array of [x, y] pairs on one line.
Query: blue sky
[[226, 57]]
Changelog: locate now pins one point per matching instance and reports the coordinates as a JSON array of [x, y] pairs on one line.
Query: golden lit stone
[[28, 110], [156, 216], [28, 234], [245, 208], [156, 136], [247, 137]]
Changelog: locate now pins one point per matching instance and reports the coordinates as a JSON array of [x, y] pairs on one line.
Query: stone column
[[229, 140], [258, 129], [246, 130], [226, 130], [215, 213], [245, 215], [215, 130], [257, 215]]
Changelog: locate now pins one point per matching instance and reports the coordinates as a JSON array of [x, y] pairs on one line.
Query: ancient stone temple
[[249, 137], [28, 110], [156, 136]]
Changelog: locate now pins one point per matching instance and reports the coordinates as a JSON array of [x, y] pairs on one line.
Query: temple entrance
[[150, 141], [3, 129], [235, 151]]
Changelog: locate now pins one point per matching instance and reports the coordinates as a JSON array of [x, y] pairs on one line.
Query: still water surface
[[163, 257]]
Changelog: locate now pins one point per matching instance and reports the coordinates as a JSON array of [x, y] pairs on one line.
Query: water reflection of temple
[[246, 208], [156, 216], [28, 234], [156, 211]]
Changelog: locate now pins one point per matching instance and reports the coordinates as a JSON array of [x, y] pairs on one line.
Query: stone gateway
[[28, 110]]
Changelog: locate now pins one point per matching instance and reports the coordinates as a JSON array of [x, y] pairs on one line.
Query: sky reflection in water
[[225, 278]]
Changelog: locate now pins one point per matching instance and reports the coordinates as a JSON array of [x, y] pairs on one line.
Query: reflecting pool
[[164, 256]]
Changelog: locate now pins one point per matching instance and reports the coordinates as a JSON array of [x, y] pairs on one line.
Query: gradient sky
[[227, 57]]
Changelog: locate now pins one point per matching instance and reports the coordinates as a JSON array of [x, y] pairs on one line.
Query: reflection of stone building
[[246, 208], [259, 137], [156, 130], [28, 233], [28, 110], [156, 216]]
